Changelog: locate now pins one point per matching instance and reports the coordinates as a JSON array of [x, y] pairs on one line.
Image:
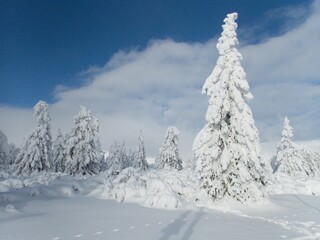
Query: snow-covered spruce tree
[[36, 153], [140, 161], [130, 157], [117, 159], [13, 153], [292, 159], [4, 152], [317, 161], [59, 152], [312, 158], [83, 153], [227, 149], [169, 152]]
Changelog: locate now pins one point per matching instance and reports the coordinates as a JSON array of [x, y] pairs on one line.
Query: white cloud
[[285, 77], [161, 85]]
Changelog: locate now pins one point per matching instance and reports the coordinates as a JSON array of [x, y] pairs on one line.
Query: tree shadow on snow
[[188, 233], [175, 227]]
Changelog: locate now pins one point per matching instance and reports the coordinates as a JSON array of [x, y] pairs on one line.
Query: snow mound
[[8, 184], [11, 209], [160, 193], [46, 185], [157, 189]]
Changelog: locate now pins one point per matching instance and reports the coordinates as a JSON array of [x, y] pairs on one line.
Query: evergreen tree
[[292, 159], [140, 160], [83, 153], [59, 152], [4, 152], [13, 153], [131, 158], [313, 158], [169, 152], [36, 153], [227, 149], [117, 159]]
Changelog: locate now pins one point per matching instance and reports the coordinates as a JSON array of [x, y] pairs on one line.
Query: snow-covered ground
[[285, 217], [62, 207]]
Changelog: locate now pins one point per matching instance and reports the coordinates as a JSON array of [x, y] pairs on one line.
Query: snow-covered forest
[[226, 175]]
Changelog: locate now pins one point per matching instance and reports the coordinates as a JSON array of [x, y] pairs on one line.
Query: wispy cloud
[[285, 79], [279, 21], [160, 85], [287, 13]]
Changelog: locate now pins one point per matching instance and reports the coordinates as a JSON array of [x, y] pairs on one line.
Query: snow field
[[55, 206], [89, 218]]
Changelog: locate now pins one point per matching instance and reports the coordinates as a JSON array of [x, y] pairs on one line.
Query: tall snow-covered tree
[[83, 153], [4, 152], [36, 153], [117, 159], [140, 160], [227, 149], [59, 152], [291, 158], [169, 152]]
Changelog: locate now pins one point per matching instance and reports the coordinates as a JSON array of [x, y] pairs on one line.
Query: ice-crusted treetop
[[287, 131], [227, 72], [287, 134], [286, 147], [41, 112], [228, 38]]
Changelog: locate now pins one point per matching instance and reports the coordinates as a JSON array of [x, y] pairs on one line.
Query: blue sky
[[48, 43], [140, 65]]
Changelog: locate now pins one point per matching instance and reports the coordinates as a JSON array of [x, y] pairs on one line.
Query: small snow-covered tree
[[13, 153], [140, 161], [312, 158], [292, 159], [316, 157], [285, 147], [117, 159], [130, 158], [36, 153], [4, 152], [227, 149], [59, 152], [169, 152], [83, 153]]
